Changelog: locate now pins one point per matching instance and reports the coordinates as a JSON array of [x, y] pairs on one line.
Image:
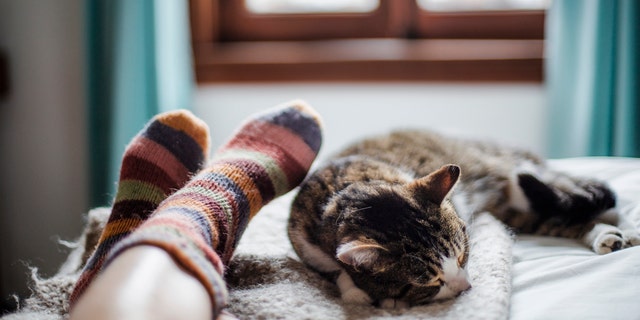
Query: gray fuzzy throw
[[268, 281]]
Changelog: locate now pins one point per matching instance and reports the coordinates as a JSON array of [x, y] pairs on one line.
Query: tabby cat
[[383, 220]]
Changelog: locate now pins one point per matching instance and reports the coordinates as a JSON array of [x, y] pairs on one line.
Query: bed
[[513, 277]]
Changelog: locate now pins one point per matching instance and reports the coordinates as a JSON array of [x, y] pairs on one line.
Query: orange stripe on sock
[[183, 120], [245, 182], [273, 157], [118, 227], [278, 177]]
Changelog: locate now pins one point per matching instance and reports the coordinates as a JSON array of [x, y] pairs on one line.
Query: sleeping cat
[[383, 219]]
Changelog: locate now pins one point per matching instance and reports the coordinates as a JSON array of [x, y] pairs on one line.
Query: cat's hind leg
[[572, 200], [605, 238], [612, 232], [602, 235], [578, 208]]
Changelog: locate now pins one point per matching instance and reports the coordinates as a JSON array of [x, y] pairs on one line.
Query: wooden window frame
[[4, 75], [233, 45]]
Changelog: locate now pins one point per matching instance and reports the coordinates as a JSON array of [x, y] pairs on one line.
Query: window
[[481, 5], [313, 6], [368, 40], [4, 75]]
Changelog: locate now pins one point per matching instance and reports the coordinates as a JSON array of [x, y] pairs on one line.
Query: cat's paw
[[608, 242], [615, 240], [631, 238], [354, 295], [605, 238], [393, 304]]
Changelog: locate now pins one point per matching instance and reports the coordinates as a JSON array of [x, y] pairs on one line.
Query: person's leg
[[200, 225], [160, 159], [144, 282]]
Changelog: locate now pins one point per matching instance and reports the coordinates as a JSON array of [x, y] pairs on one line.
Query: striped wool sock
[[160, 159], [200, 225]]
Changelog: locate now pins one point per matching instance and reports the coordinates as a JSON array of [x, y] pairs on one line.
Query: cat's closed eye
[[461, 260], [435, 282]]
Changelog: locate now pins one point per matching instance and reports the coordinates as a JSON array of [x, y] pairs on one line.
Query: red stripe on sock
[[258, 132], [136, 168], [159, 156], [249, 178]]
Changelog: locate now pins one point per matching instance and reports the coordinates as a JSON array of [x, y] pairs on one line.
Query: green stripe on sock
[[139, 190]]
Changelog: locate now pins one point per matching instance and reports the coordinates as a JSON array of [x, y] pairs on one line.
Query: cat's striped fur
[[383, 220]]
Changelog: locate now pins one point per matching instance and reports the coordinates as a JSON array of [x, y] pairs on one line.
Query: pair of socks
[[167, 197]]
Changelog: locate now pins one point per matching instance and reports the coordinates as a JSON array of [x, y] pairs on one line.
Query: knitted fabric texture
[[200, 225], [159, 160]]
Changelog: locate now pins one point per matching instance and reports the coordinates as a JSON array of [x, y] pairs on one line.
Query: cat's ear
[[437, 184], [359, 254]]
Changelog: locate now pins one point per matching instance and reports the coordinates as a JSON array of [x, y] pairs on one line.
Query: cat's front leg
[[605, 238], [393, 304], [350, 292]]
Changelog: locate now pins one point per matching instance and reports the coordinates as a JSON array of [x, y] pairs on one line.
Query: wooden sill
[[371, 60]]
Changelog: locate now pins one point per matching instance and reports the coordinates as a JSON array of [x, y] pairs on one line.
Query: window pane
[[310, 6], [475, 5]]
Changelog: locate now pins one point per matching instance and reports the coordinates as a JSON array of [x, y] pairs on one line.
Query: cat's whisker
[[361, 209], [341, 214]]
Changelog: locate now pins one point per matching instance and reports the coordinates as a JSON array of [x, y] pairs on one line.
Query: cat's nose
[[460, 285], [464, 290], [460, 282]]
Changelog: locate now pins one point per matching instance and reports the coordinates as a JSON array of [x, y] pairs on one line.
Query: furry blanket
[[268, 281]]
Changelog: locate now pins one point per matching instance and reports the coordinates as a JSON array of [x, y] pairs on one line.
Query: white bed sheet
[[562, 279]]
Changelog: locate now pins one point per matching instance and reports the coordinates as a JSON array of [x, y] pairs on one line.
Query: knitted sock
[[200, 225], [159, 160]]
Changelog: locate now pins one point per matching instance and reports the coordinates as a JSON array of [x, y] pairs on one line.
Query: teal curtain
[[139, 64], [592, 76]]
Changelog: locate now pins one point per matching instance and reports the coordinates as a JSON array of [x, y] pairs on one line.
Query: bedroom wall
[[513, 114], [42, 138]]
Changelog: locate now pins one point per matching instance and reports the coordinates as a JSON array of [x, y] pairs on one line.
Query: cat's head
[[403, 241]]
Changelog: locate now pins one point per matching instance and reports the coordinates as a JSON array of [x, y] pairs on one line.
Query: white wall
[[43, 170], [509, 113]]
